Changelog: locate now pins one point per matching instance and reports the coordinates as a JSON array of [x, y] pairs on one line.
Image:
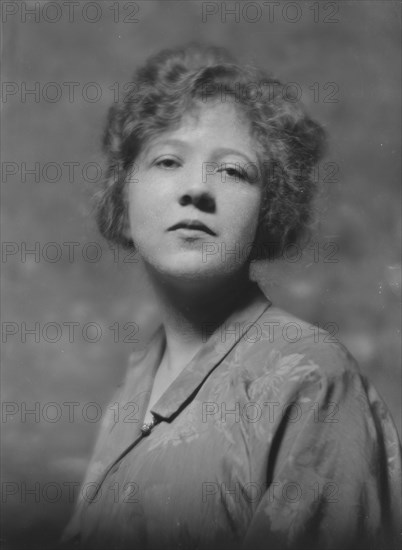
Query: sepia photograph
[[201, 275]]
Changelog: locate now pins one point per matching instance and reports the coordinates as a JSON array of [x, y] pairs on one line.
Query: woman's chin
[[191, 271]]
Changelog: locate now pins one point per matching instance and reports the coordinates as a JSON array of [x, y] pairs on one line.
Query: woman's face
[[194, 196]]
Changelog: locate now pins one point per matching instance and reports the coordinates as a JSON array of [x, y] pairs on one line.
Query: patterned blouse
[[270, 438]]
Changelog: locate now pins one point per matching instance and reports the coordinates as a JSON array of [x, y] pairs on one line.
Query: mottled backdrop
[[73, 307]]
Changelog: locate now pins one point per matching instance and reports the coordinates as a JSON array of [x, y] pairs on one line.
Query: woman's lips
[[192, 226]]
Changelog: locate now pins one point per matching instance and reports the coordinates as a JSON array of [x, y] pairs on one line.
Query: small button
[[147, 426]]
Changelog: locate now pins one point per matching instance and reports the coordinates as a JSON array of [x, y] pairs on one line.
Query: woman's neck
[[190, 314]]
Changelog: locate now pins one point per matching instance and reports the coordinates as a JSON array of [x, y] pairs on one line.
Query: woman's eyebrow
[[168, 141]]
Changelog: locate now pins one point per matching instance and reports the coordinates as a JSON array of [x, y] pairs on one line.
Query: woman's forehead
[[217, 122], [215, 107]]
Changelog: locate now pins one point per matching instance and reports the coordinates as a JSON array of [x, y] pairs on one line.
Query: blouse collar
[[211, 354]]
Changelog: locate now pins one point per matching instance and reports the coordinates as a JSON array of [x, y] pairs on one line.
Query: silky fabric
[[270, 438]]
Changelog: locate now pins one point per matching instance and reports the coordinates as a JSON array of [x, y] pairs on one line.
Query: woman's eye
[[167, 163], [235, 173]]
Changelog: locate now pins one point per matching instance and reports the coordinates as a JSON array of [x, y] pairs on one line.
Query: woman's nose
[[197, 193], [201, 200]]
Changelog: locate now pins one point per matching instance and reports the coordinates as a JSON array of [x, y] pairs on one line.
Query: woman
[[246, 429]]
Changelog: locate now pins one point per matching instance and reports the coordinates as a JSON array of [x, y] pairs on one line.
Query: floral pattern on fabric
[[261, 443]]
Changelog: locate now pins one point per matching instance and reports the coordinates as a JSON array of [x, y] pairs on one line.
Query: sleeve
[[333, 470]]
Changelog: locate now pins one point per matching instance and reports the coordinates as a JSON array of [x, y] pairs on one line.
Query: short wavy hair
[[168, 86]]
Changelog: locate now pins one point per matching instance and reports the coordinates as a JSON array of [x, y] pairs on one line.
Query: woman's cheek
[[244, 223]]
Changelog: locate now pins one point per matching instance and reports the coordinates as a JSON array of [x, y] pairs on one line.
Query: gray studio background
[[345, 60]]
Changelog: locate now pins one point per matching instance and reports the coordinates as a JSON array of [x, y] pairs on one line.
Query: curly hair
[[168, 86]]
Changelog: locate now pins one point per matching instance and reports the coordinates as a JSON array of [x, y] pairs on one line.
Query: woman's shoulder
[[281, 344], [305, 367]]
